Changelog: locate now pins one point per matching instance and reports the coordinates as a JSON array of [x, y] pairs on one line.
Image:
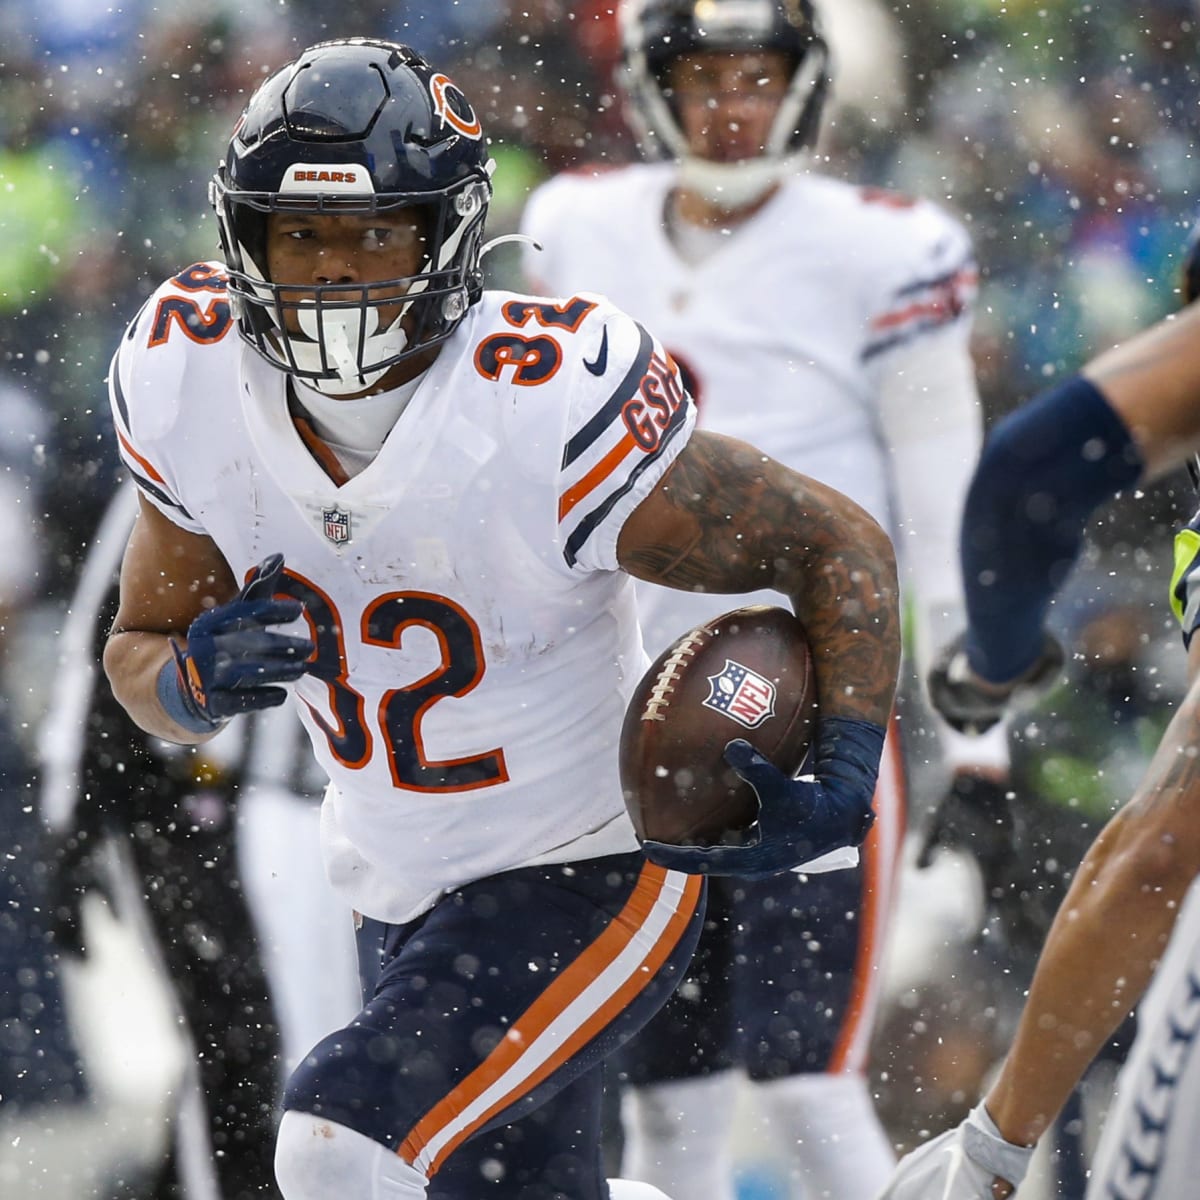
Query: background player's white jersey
[[830, 329], [476, 644]]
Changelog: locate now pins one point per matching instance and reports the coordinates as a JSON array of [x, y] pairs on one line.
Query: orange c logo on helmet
[[453, 107]]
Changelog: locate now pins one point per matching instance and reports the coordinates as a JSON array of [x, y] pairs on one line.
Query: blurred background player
[[828, 324], [1132, 914], [211, 856]]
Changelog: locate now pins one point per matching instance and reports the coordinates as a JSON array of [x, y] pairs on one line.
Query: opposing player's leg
[[1147, 1150], [507, 992]]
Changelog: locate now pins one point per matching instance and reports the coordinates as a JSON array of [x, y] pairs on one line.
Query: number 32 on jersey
[[401, 710]]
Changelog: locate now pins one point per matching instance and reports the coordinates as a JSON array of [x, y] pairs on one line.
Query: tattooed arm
[[728, 519]]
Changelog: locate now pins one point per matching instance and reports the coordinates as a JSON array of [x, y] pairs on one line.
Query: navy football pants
[[506, 994]]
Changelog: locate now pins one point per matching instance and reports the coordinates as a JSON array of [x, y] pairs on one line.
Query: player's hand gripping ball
[[748, 675]]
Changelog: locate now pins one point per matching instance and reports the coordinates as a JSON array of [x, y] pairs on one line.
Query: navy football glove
[[798, 819], [233, 658]]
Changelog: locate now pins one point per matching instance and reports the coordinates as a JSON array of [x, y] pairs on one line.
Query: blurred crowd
[[1063, 135]]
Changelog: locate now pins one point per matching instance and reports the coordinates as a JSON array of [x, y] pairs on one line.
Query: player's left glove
[[798, 819], [234, 658], [961, 1164]]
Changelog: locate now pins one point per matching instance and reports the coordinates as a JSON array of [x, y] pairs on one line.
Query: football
[[747, 674]]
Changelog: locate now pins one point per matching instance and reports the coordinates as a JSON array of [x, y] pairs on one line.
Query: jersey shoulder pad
[[184, 317], [629, 415], [608, 409], [905, 232]]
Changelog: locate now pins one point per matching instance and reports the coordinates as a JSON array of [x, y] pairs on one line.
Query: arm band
[[174, 702], [1043, 472]]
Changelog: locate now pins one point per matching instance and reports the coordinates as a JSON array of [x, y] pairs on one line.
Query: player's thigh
[[693, 1033], [504, 993], [1148, 1148]]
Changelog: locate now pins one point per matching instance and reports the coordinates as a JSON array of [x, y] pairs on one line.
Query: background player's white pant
[[677, 1135], [836, 1148], [1148, 1150]]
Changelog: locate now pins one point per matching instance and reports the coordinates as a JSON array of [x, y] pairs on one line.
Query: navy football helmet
[[656, 32], [354, 126]]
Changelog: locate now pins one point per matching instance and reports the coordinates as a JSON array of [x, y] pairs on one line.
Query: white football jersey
[[830, 330], [476, 642]]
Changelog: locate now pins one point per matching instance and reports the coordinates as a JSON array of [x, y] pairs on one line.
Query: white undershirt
[[355, 430]]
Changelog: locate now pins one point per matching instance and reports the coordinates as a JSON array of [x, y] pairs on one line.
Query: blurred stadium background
[[1065, 137]]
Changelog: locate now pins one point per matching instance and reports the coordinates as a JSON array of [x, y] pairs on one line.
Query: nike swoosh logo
[[600, 364]]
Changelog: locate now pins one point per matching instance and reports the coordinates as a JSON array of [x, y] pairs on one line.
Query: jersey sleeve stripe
[[118, 392], [144, 463], [946, 299], [164, 498], [595, 427], [601, 471], [943, 288], [587, 524], [965, 273]]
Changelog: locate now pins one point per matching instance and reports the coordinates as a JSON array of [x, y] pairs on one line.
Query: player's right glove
[[961, 1164], [971, 706], [798, 819], [234, 660]]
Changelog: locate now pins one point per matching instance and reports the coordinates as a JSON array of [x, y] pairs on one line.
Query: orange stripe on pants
[[615, 969]]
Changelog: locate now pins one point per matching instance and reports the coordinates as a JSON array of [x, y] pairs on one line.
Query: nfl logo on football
[[337, 525], [741, 694]]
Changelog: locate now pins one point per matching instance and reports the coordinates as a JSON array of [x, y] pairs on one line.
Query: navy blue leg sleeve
[[1044, 470]]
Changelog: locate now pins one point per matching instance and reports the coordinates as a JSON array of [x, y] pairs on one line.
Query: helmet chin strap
[[731, 186]]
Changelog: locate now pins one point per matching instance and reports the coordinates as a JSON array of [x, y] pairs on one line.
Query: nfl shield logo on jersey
[[337, 524], [741, 694]]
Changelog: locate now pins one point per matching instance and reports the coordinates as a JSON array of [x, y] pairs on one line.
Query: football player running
[[828, 324], [418, 507], [1132, 914]]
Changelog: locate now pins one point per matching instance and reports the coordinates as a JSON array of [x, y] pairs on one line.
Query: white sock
[[836, 1146], [677, 1135], [318, 1159]]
